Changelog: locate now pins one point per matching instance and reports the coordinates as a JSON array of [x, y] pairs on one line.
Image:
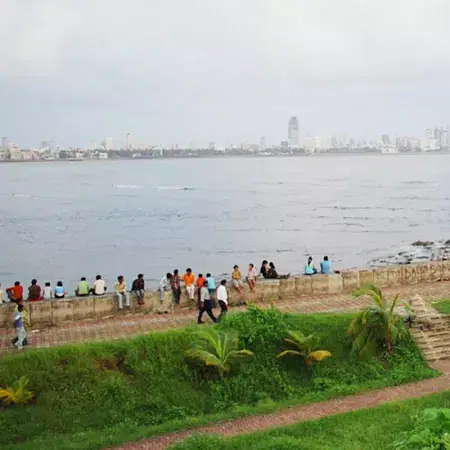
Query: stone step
[[431, 334]]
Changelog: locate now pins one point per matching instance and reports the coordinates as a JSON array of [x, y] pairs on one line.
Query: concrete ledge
[[41, 314], [47, 313], [350, 280]]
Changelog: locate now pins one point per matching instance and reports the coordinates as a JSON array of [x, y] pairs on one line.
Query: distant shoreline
[[224, 155]]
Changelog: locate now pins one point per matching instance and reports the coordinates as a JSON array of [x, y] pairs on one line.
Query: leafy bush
[[376, 328], [18, 394], [431, 431], [304, 346], [218, 349]]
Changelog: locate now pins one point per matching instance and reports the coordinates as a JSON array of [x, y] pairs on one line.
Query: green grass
[[443, 306], [368, 429], [90, 396]]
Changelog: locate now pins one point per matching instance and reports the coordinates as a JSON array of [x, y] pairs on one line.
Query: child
[[60, 292], [48, 292], [211, 288], [21, 333]]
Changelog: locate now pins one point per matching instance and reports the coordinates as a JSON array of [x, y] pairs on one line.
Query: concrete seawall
[[53, 313]]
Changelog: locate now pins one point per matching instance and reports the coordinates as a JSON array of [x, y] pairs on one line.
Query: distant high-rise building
[[293, 131], [262, 143], [5, 142], [108, 144], [385, 139], [211, 145], [128, 142]]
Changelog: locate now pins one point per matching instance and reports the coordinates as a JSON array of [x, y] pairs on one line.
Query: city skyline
[[229, 72]]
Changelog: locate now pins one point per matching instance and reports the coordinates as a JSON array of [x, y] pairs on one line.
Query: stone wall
[[52, 313]]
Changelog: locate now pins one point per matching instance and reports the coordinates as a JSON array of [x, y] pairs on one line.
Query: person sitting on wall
[[15, 293], [273, 274], [251, 277], [325, 266], [83, 289], [138, 288], [47, 291], [309, 268], [189, 282], [237, 279], [34, 292], [60, 292], [99, 287], [121, 293], [264, 271]]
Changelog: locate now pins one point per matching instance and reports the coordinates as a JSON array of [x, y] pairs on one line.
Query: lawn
[[368, 429], [91, 396], [443, 306]]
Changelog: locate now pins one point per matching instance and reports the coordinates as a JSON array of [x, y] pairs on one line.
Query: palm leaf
[[319, 355], [289, 353]]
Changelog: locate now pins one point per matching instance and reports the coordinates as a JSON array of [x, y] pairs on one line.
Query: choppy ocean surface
[[61, 221]]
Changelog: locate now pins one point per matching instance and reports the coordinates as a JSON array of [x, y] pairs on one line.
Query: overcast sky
[[232, 70]]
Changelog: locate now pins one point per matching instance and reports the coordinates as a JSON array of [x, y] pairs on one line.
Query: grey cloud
[[178, 70]]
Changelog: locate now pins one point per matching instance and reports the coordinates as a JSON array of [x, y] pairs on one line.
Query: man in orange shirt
[[200, 280], [189, 282], [15, 293]]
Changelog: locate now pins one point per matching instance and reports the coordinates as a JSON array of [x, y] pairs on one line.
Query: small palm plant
[[304, 346], [218, 349], [18, 394], [377, 327]]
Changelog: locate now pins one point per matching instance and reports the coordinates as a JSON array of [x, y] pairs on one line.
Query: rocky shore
[[418, 251]]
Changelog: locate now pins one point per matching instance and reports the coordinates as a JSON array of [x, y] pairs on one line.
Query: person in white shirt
[[222, 297], [99, 286], [48, 292], [164, 286], [252, 274]]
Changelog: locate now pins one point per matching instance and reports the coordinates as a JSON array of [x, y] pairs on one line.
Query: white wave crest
[[127, 186]]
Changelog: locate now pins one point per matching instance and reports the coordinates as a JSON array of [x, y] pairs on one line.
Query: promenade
[[129, 325]]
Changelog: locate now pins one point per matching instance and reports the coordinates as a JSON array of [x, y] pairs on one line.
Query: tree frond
[[319, 355], [289, 353]]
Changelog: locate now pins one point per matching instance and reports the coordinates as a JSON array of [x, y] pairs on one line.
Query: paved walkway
[[132, 325], [303, 413]]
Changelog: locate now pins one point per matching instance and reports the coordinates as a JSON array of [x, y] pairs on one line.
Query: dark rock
[[422, 243]]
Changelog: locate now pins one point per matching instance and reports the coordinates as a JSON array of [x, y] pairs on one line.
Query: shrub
[[431, 431], [304, 346], [376, 328], [218, 349], [18, 394]]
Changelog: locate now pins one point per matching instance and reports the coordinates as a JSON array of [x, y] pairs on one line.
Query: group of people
[[208, 293]]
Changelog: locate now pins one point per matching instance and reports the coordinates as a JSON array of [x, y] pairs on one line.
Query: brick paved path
[[302, 413], [132, 325]]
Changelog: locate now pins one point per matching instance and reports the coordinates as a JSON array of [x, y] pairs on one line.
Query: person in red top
[[34, 292], [200, 280], [15, 293]]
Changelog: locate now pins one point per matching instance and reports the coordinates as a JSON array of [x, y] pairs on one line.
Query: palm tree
[[305, 347], [218, 349], [377, 326]]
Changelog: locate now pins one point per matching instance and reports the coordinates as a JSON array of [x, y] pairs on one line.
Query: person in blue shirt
[[60, 292], [309, 268], [325, 266], [211, 286]]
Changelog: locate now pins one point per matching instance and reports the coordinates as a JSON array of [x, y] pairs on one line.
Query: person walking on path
[[222, 298], [175, 283], [251, 277], [83, 289], [15, 293], [205, 304], [189, 282], [121, 292], [138, 288], [21, 333]]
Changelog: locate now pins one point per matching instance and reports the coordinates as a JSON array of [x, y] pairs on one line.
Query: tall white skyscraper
[[293, 131]]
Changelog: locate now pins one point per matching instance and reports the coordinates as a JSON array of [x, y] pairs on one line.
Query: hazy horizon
[[182, 72]]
